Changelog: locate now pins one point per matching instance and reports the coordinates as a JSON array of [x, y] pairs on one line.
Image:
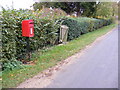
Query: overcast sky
[[25, 4]]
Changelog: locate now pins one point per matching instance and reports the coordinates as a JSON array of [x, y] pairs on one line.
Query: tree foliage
[[106, 9], [82, 8], [89, 8]]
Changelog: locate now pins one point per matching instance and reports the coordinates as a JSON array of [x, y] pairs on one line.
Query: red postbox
[[28, 28]]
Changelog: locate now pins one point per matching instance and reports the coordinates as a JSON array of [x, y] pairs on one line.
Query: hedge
[[82, 25], [14, 45], [14, 48]]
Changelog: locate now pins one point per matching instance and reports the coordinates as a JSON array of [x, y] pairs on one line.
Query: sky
[[24, 4]]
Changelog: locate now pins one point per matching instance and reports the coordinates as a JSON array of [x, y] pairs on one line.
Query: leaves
[[14, 45], [107, 9], [78, 26]]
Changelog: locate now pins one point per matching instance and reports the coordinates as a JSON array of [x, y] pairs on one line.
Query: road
[[96, 68]]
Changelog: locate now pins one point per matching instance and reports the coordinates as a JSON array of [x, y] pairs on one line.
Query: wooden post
[[63, 34]]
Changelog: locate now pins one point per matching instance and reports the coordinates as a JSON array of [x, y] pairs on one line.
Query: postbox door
[[31, 28]]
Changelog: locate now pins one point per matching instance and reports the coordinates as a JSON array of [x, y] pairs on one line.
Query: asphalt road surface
[[96, 68]]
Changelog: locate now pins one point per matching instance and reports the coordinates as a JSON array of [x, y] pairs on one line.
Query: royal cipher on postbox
[[28, 28]]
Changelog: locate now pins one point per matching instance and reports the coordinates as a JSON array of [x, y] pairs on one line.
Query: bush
[[78, 26], [74, 26], [14, 45]]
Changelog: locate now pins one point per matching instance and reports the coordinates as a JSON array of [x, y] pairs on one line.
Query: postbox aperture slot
[[31, 22]]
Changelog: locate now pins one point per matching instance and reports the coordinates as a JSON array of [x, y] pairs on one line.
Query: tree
[[106, 9], [88, 8], [68, 7], [40, 5]]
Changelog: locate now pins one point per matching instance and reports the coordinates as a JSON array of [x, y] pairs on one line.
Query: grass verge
[[49, 57]]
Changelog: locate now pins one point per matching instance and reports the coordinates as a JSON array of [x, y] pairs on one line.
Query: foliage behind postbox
[[14, 44], [46, 32]]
